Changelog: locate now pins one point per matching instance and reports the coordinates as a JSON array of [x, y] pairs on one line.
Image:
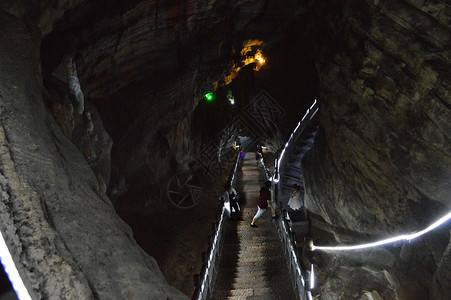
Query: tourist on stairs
[[231, 196], [295, 201], [263, 203]]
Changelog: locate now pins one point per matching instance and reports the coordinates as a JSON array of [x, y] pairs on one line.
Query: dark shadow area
[[6, 289]]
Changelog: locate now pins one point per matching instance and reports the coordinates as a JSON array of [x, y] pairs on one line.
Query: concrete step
[[242, 292], [252, 260], [260, 297], [250, 284]]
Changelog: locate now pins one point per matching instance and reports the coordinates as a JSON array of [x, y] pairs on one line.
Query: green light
[[209, 97]]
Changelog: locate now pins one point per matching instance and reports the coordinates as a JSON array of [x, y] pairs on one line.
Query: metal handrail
[[204, 282], [301, 284], [308, 116], [266, 173], [287, 237]]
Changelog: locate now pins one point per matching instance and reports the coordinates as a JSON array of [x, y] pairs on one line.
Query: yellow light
[[259, 58], [251, 55], [247, 46]]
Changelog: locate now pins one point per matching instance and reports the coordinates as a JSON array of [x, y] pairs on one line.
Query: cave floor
[[252, 265]]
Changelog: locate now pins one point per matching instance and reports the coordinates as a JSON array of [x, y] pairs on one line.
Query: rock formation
[[381, 162], [101, 103], [62, 230]]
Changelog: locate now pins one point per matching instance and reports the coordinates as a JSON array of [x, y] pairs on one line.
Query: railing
[[302, 280], [280, 162], [204, 282], [266, 173]]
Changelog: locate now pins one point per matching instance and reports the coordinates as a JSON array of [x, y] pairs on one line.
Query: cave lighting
[[11, 271], [295, 258], [259, 58], [274, 177], [312, 278], [406, 237], [209, 97], [210, 258], [230, 97], [294, 132], [250, 55], [215, 240]]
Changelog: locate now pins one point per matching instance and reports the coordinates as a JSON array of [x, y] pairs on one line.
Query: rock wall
[[146, 65], [60, 227], [382, 160], [137, 68]]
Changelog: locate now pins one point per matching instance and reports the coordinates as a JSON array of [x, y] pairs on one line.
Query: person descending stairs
[[252, 264]]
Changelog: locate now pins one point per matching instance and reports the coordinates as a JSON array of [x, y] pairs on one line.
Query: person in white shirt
[[230, 196], [295, 201]]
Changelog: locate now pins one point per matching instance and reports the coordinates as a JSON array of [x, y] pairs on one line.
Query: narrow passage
[[252, 265]]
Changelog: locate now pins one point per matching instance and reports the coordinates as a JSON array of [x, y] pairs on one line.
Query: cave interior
[[103, 104]]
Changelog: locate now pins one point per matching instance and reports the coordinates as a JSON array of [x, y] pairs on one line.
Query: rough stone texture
[[382, 159], [442, 284], [347, 283], [383, 148], [146, 66], [62, 230], [84, 128]]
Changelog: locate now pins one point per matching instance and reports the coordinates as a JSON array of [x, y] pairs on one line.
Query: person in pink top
[[263, 202]]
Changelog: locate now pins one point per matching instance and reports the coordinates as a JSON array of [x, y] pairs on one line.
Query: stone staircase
[[252, 265]]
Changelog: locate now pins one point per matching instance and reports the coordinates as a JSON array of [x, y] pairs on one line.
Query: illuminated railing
[[288, 238], [204, 283], [291, 252], [302, 286], [280, 162], [13, 274], [404, 237], [265, 172], [303, 280]]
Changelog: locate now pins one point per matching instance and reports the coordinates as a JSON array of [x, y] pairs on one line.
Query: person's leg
[[259, 213], [273, 211]]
